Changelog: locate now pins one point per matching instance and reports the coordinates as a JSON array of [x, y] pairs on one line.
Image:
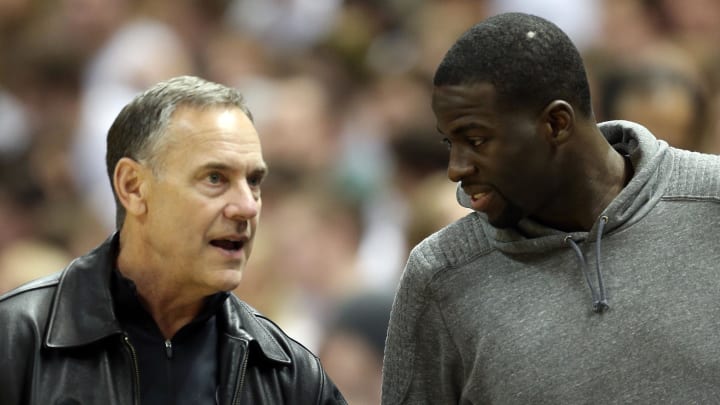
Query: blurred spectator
[[288, 26], [310, 233], [670, 104], [433, 206], [229, 58], [626, 27], [13, 14], [140, 52], [648, 67], [14, 133], [46, 82], [26, 260], [697, 22], [353, 345], [298, 119], [27, 250], [20, 200], [428, 23]]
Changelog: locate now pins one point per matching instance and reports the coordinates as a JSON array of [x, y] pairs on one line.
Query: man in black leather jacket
[[147, 317]]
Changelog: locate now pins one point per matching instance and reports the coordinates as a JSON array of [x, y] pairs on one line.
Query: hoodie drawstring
[[600, 303]]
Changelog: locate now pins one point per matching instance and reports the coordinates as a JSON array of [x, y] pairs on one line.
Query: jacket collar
[[82, 310]]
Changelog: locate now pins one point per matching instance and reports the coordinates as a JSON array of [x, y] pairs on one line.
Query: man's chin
[[227, 280]]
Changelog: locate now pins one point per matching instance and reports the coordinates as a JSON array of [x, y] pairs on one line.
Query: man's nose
[[459, 164], [243, 202]]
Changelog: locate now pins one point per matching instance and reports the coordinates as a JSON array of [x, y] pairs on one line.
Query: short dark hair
[[138, 129], [529, 60]]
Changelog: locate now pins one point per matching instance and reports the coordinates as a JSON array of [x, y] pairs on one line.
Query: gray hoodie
[[490, 316]]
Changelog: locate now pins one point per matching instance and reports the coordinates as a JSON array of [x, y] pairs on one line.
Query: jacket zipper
[[242, 376], [136, 368], [168, 349]]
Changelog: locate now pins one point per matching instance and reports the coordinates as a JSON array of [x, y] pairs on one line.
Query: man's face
[[500, 158], [203, 199]]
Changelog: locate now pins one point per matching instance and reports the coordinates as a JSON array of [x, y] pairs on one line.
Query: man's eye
[[477, 141], [215, 178], [255, 181]]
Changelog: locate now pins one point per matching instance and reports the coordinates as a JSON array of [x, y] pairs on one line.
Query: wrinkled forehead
[[193, 131]]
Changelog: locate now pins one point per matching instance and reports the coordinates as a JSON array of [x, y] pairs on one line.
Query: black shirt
[[181, 370]]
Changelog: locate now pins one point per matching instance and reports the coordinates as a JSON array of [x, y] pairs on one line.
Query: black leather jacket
[[60, 343]]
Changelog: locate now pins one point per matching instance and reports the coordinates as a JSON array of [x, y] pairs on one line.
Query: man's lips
[[479, 197], [227, 244], [476, 190], [230, 244]]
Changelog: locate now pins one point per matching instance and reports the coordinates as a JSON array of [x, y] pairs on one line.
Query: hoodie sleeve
[[422, 364]]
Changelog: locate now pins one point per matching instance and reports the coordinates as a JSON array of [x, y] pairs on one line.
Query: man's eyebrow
[[260, 168], [468, 127], [464, 128], [216, 166]]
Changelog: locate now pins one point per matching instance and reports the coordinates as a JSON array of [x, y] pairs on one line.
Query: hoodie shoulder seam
[[695, 176], [691, 198], [457, 244]]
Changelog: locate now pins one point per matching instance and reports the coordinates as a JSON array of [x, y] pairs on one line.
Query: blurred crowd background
[[340, 90]]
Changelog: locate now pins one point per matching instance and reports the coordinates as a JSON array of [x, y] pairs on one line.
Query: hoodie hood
[[650, 178]]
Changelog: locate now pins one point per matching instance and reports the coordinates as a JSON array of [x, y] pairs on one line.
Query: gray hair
[[138, 130]]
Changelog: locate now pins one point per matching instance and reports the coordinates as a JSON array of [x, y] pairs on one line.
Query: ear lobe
[[558, 118], [128, 180]]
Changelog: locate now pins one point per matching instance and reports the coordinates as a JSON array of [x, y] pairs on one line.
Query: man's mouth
[[478, 196], [227, 244], [480, 201]]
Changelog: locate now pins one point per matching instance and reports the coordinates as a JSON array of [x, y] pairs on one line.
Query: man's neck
[[170, 305], [601, 175]]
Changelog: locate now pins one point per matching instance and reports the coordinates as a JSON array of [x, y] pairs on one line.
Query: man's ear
[[558, 120], [129, 182]]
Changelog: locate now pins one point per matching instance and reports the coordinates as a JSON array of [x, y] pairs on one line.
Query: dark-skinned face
[[501, 158]]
